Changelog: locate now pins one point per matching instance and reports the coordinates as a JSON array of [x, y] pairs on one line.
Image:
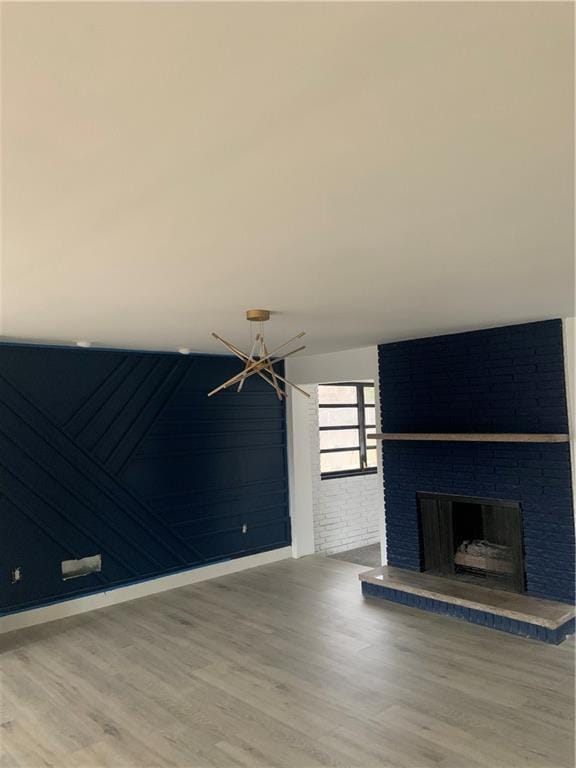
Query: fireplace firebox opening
[[472, 539]]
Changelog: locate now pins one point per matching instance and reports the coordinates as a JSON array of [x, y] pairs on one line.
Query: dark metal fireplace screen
[[477, 540]]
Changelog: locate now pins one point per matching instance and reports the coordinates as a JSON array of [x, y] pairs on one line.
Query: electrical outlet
[[244, 528], [16, 574]]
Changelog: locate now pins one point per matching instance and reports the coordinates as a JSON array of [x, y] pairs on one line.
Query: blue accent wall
[[122, 453], [507, 379]]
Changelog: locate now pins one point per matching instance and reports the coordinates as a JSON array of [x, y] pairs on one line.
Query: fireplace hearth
[[472, 539]]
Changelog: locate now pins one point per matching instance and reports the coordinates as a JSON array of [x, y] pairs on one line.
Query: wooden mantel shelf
[[473, 437]]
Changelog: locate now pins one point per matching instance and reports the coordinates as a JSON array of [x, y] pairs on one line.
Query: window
[[347, 414]]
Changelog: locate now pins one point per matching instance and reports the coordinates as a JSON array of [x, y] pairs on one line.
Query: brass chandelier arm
[[259, 360], [248, 359], [272, 371], [254, 368], [279, 391], [273, 382], [286, 381], [256, 363], [244, 373], [245, 357]]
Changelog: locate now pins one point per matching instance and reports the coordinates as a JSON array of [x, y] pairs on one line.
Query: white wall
[[300, 474], [351, 365], [346, 510]]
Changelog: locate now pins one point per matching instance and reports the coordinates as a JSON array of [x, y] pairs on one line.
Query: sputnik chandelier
[[259, 361]]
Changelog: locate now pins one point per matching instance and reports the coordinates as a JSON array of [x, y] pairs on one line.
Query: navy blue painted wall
[[122, 453], [507, 379]]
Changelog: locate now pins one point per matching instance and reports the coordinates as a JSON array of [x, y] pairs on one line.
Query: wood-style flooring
[[368, 556], [283, 665]]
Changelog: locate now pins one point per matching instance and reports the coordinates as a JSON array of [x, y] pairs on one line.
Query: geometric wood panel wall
[[121, 453]]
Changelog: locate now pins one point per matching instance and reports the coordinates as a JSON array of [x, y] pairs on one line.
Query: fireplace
[[472, 539]]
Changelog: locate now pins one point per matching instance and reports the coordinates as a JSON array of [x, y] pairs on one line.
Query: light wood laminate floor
[[283, 665], [368, 556]]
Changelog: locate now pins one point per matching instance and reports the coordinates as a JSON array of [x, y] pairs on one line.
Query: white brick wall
[[346, 510]]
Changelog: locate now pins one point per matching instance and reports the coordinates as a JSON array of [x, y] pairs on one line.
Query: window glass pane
[[369, 395], [370, 415], [340, 438], [328, 395], [338, 417], [372, 457], [340, 462]]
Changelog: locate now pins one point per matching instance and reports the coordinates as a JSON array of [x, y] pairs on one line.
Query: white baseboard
[[86, 603]]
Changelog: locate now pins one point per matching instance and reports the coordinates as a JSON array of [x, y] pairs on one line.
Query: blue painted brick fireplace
[[508, 379]]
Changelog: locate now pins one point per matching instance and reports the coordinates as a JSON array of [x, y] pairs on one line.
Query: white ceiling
[[369, 171]]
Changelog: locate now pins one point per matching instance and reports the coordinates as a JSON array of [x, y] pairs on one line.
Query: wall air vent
[[71, 569]]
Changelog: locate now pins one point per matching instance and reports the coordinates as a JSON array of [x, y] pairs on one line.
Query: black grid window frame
[[360, 406]]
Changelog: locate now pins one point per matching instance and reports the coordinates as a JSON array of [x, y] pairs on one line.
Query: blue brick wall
[[452, 383], [507, 379]]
